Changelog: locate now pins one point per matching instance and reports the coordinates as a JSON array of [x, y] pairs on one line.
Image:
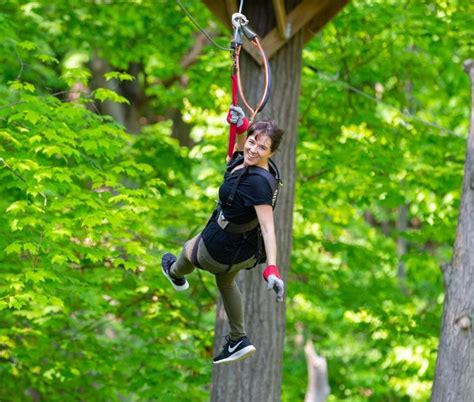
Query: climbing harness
[[240, 27], [243, 230], [272, 176]]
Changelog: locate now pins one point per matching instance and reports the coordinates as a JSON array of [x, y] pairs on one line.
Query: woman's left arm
[[265, 219], [270, 274]]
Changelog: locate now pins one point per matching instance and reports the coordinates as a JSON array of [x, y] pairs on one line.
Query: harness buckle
[[222, 221]]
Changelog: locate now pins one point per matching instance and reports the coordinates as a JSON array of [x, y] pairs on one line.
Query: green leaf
[[118, 76], [13, 248], [104, 94], [17, 206], [27, 45], [76, 75], [22, 86], [8, 137], [30, 247], [59, 259], [32, 116], [51, 150], [46, 58], [35, 275]]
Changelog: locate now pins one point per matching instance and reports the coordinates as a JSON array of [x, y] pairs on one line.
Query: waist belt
[[230, 227]]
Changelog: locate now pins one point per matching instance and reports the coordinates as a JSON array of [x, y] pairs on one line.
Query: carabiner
[[239, 20]]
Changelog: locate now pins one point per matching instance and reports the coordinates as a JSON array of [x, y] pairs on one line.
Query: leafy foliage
[[87, 208]]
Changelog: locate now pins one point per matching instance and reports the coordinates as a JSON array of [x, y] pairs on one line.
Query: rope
[[268, 80], [188, 14], [239, 23]]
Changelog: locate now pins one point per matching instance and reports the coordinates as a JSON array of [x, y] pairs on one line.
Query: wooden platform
[[309, 16]]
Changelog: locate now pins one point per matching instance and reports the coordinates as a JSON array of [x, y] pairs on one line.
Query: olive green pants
[[226, 281]]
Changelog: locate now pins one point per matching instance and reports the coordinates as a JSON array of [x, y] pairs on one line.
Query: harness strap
[[235, 101], [231, 196], [231, 227], [273, 179]]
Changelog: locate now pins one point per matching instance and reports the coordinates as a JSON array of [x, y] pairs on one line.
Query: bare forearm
[[269, 240], [239, 146]]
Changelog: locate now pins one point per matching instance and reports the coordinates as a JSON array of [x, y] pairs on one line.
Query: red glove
[[237, 116], [272, 276]]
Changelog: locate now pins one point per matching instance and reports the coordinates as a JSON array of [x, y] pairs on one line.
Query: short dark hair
[[269, 128]]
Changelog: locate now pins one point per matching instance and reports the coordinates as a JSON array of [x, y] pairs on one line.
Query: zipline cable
[[241, 6], [409, 115], [189, 15]]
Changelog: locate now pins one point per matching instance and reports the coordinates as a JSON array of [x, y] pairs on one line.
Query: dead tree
[[318, 384], [454, 376]]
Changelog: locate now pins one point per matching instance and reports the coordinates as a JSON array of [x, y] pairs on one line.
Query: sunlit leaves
[[104, 94], [118, 76], [377, 133]]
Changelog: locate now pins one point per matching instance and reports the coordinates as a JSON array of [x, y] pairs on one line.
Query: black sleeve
[[255, 190], [235, 156]]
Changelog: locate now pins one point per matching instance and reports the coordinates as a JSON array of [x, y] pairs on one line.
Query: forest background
[[89, 202]]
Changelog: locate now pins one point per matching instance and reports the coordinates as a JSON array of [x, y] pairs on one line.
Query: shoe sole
[[240, 355], [179, 288]]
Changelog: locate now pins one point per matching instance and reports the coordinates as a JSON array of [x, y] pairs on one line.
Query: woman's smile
[[257, 150]]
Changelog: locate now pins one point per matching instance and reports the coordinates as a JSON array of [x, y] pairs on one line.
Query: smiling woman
[[263, 139], [240, 233]]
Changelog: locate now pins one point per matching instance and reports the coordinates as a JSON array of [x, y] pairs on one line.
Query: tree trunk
[[318, 383], [259, 377], [402, 247], [454, 376]]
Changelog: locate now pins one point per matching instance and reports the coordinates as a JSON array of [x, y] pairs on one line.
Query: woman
[[232, 239]]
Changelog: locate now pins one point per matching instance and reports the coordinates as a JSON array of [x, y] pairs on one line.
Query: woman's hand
[[272, 276], [237, 116]]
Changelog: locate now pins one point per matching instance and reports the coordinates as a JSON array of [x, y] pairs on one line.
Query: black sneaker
[[235, 350], [167, 261]]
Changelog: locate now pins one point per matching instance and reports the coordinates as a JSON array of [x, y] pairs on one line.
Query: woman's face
[[257, 150]]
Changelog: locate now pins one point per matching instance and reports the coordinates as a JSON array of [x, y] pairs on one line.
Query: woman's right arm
[[239, 145], [237, 116]]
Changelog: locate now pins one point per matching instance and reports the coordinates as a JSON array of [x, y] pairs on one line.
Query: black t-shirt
[[252, 189]]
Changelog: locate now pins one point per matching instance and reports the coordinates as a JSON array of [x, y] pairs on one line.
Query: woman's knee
[[188, 247]]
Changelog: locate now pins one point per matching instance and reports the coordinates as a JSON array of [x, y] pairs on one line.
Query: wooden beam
[[310, 15], [297, 19], [253, 51], [280, 14], [219, 9], [321, 19], [231, 8]]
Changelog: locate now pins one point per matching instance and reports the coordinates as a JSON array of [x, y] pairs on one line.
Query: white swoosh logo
[[231, 350]]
